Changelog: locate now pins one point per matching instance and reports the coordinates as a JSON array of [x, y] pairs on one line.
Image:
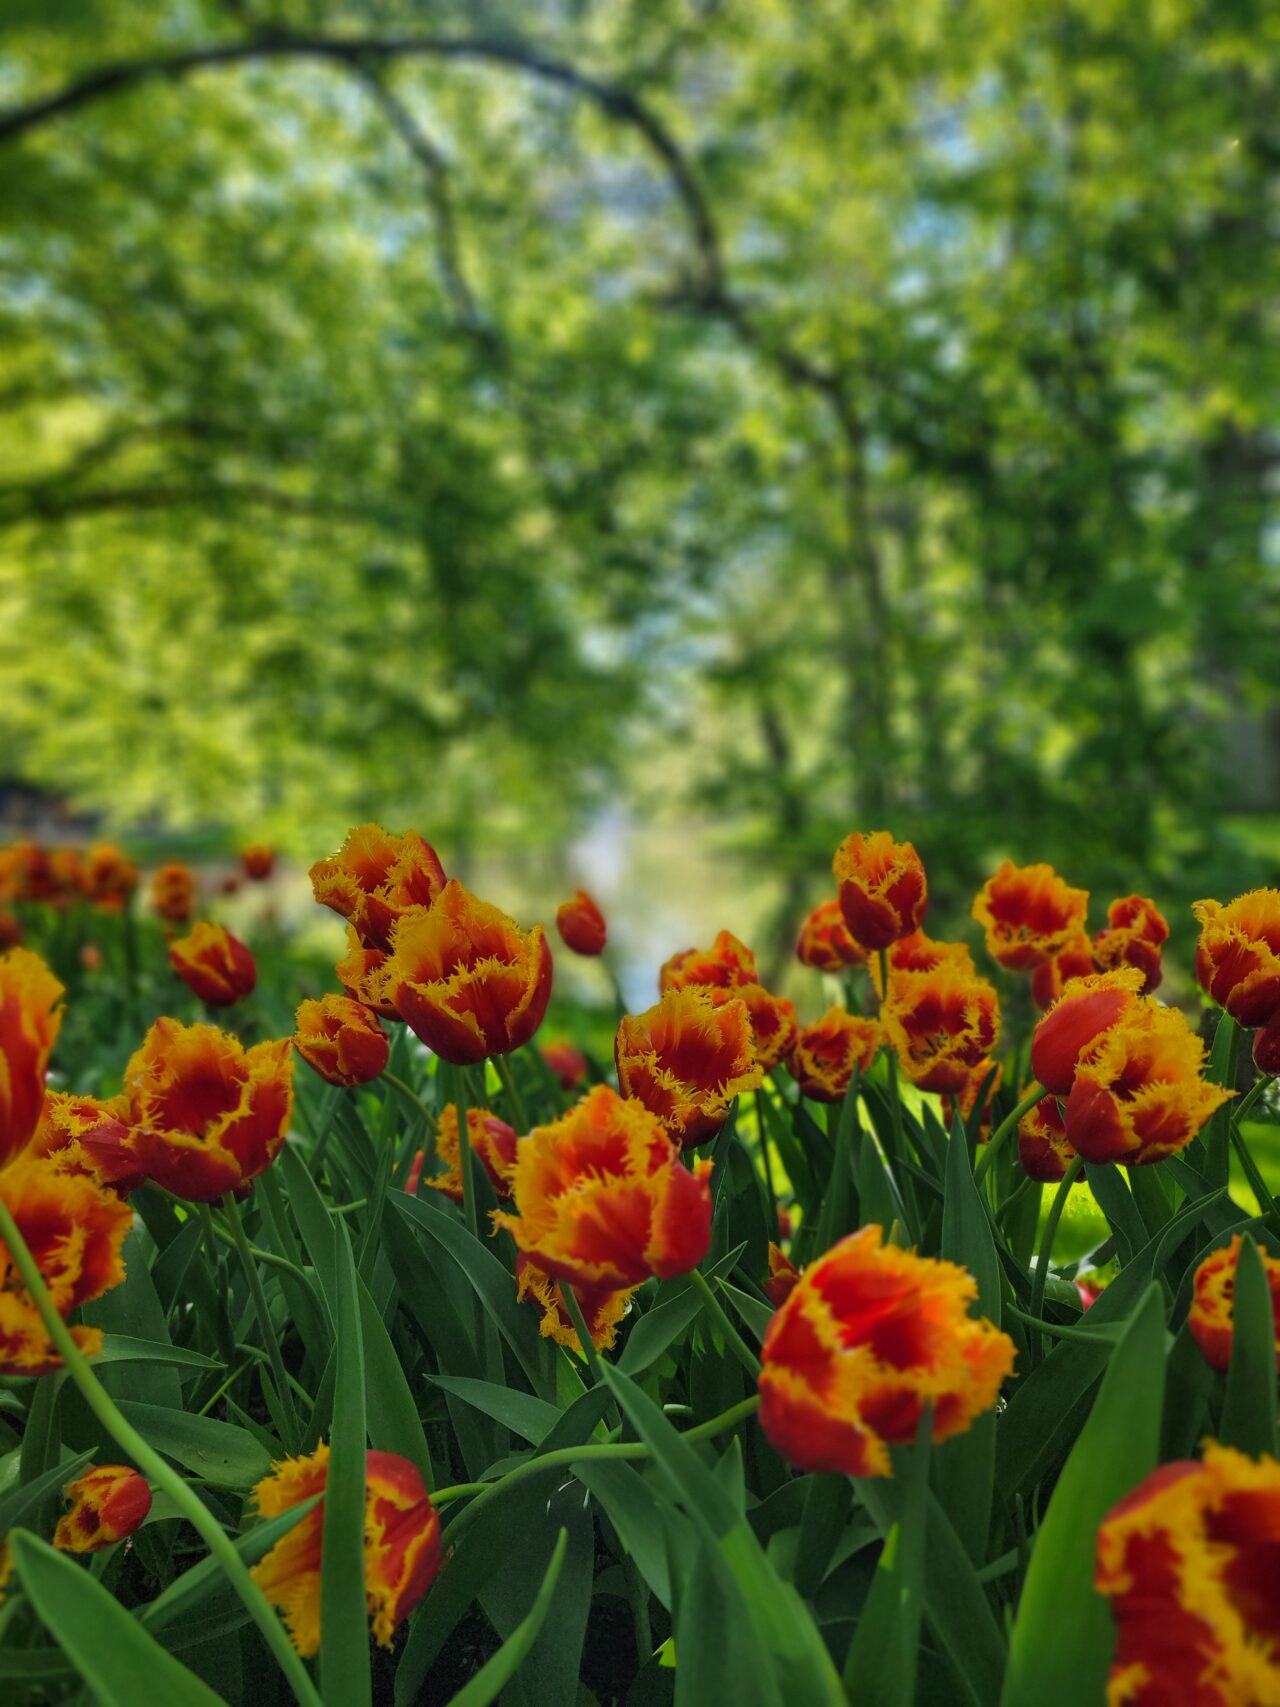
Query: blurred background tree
[[475, 415]]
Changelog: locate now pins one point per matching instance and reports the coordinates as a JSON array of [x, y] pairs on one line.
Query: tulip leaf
[[120, 1663], [525, 1415], [1116, 1202], [313, 1218], [678, 1305], [496, 1673], [206, 1577], [344, 1634], [754, 1311], [1249, 1408], [394, 1423], [718, 1649], [125, 1348], [1063, 1639], [221, 1452], [881, 1664], [549, 1672]]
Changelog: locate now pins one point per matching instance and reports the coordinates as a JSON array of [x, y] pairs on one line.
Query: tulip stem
[[586, 1344], [1041, 1276], [1005, 1130], [461, 1104], [410, 1095], [515, 1105], [762, 1123], [271, 1340], [155, 1468], [737, 1345]]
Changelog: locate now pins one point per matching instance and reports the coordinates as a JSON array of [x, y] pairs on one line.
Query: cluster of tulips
[[869, 1343]]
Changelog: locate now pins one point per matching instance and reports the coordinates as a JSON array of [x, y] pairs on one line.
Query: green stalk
[[461, 1102], [1059, 1203], [737, 1345], [1005, 1130], [155, 1468], [408, 1092], [771, 1194], [585, 1341], [271, 1341], [515, 1105]]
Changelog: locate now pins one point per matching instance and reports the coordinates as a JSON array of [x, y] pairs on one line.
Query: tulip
[[206, 1115], [1238, 955], [962, 1103], [467, 979], [601, 1308], [401, 1543], [214, 965], [375, 878], [686, 1059], [1212, 1314], [1136, 931], [173, 893], [1188, 1561], [1051, 977], [783, 1277], [567, 1064], [340, 1039], [727, 972], [108, 878], [87, 1136], [1044, 1149], [362, 974], [581, 924], [824, 942], [74, 1228], [258, 860], [1086, 1008], [943, 1025], [602, 1199], [883, 890], [493, 1142], [826, 1053], [869, 1335], [1266, 1049], [107, 1503], [1029, 914], [921, 953], [30, 1018]]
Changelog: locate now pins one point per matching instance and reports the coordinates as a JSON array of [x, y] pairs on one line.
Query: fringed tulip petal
[[107, 1503], [30, 1018], [375, 878], [1212, 1314], [826, 1053], [883, 891], [214, 965], [1029, 914], [1238, 955], [686, 1059], [581, 925], [340, 1039]]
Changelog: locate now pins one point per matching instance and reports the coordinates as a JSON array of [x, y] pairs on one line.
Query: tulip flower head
[[215, 965], [1238, 955], [602, 1199], [783, 1277], [340, 1039], [826, 1053], [727, 972], [206, 1115], [87, 1136], [107, 1503], [825, 943], [375, 878], [74, 1228], [686, 1059], [602, 1309], [581, 924], [869, 1335], [467, 979], [30, 1018], [401, 1544], [943, 1025], [1087, 1007], [173, 893], [1044, 1150], [1051, 977], [567, 1064], [1212, 1314], [362, 974], [108, 878], [883, 890], [493, 1143], [984, 1080], [1188, 1561], [258, 860], [1266, 1049], [1136, 931], [1029, 914]]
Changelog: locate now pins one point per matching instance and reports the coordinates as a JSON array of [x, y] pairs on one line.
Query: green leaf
[[124, 1348], [754, 1311], [345, 1674], [220, 1452], [550, 1672], [394, 1423], [1063, 1638], [661, 1325], [206, 1577], [1249, 1408], [881, 1664], [119, 1662], [719, 1653], [17, 1502], [313, 1218], [526, 1416], [493, 1676]]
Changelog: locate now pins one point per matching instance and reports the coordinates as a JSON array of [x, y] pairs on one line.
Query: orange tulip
[[340, 1039], [569, 1065], [783, 1276], [214, 965], [74, 1228], [869, 1335], [259, 861], [581, 924], [206, 1115], [1051, 977], [943, 1025], [362, 974], [375, 878], [603, 1200], [467, 979], [173, 893], [1029, 914], [1086, 1008], [1136, 931], [921, 953], [727, 971], [825, 943], [1044, 1149], [601, 1308], [1238, 955], [493, 1143], [108, 1502], [1212, 1315], [883, 891], [87, 1136], [108, 877], [826, 1053], [401, 1543], [686, 1059], [30, 1018], [1137, 1095], [1188, 1561]]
